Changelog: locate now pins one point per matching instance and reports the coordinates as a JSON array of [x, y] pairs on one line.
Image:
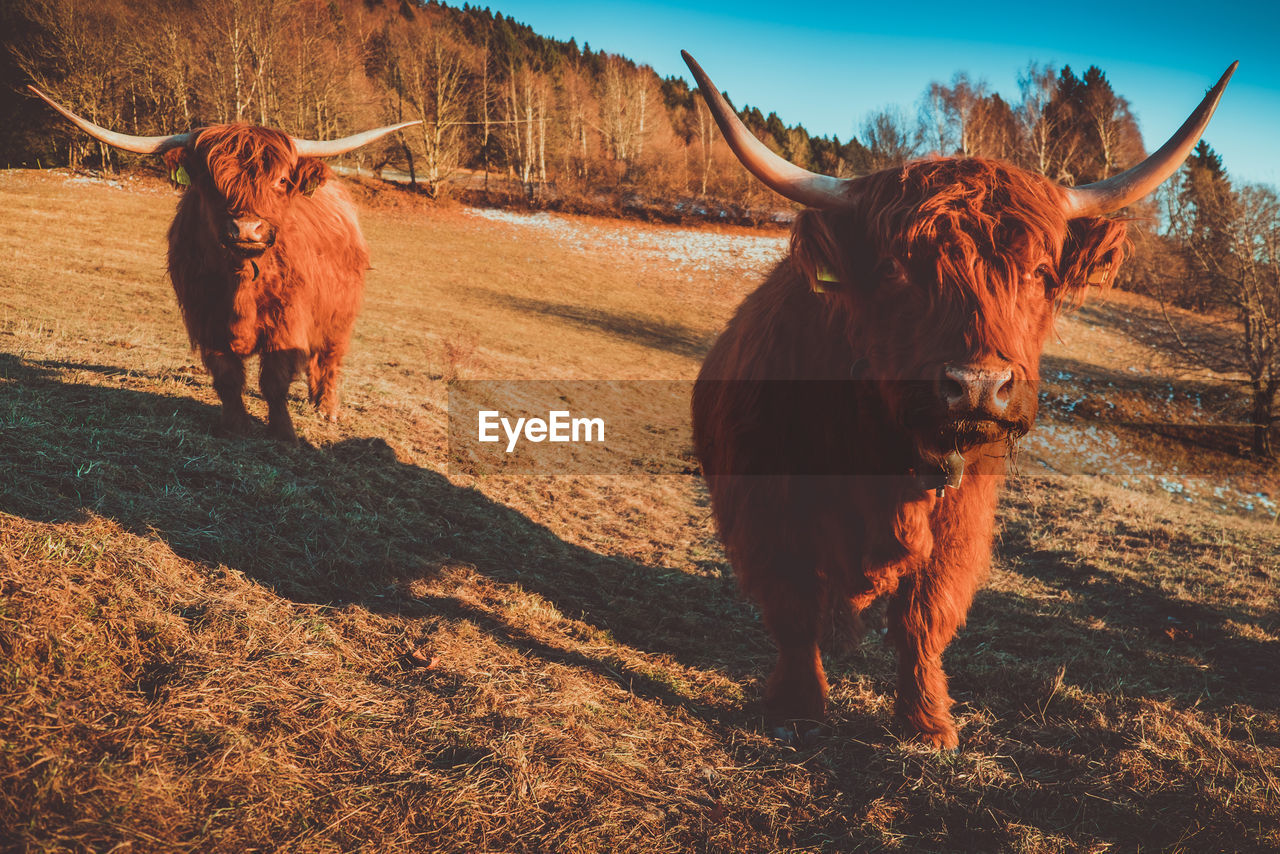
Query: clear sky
[[826, 64]]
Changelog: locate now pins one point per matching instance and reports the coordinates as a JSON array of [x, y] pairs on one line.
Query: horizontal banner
[[554, 427], [547, 427]]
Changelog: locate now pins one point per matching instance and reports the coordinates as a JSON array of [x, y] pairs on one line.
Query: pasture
[[231, 645]]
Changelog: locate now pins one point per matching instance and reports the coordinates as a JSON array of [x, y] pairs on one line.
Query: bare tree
[[162, 56], [1036, 85], [936, 133], [484, 97], [706, 141], [311, 85], [624, 111], [264, 34], [524, 124], [580, 118], [435, 79], [1231, 239], [948, 116], [886, 135], [232, 67], [993, 130], [77, 61]]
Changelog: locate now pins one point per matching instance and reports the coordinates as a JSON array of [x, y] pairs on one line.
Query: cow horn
[[334, 147], [1126, 188], [161, 144], [136, 144], [782, 176]]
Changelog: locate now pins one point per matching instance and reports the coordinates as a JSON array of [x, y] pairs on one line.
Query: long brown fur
[[295, 303], [812, 409]]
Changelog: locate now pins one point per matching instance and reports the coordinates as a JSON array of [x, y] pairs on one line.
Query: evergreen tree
[[1231, 241], [1206, 197]]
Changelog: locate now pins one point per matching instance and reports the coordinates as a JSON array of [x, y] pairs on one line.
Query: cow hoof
[[284, 434], [946, 741], [232, 427], [799, 733]]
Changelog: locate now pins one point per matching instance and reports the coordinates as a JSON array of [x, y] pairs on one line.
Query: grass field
[[212, 645]]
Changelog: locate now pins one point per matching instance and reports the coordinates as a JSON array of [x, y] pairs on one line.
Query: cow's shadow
[[633, 328], [344, 524]]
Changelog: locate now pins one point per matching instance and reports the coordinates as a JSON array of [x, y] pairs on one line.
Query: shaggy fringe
[[938, 261]]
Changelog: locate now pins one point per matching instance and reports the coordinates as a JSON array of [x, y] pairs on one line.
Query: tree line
[[508, 111], [493, 96]]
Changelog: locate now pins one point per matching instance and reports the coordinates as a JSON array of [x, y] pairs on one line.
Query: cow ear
[[309, 174], [175, 163], [1092, 255], [816, 252]]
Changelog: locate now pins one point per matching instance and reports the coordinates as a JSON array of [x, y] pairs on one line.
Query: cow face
[[247, 178], [950, 273]]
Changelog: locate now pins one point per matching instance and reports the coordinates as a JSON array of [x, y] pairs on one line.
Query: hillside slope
[[214, 645]]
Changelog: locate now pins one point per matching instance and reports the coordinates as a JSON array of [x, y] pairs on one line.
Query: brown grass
[[212, 645]]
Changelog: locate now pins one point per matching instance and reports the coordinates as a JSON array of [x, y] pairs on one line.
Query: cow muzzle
[[972, 391], [979, 405], [248, 236]]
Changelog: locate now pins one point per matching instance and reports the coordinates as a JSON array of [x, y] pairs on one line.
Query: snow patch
[[687, 248]]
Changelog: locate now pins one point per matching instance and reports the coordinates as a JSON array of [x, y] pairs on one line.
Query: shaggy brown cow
[[894, 353], [265, 256]]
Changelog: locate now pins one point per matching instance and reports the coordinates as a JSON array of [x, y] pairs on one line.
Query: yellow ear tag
[[310, 187], [180, 177], [1098, 275], [823, 274]]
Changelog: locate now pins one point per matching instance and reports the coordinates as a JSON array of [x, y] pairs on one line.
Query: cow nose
[[965, 388], [247, 230]]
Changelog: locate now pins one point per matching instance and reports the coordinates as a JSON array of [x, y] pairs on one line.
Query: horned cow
[[854, 419], [265, 256]]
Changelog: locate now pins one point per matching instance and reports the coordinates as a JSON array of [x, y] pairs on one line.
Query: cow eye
[[1048, 276], [891, 272]]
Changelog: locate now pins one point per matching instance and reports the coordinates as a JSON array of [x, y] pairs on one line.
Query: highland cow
[[265, 256], [854, 419]]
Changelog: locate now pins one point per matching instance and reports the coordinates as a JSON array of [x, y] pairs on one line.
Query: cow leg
[[793, 613], [278, 369], [931, 605], [322, 379], [227, 371], [922, 621]]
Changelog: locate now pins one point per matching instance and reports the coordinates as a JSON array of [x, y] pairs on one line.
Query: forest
[[559, 118]]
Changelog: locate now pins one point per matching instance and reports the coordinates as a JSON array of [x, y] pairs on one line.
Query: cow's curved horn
[[136, 144], [1132, 184], [334, 147], [782, 176]]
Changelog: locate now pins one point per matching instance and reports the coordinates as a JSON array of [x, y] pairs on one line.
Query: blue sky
[[826, 65]]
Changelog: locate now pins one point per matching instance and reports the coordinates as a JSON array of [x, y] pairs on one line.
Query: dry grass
[[233, 646]]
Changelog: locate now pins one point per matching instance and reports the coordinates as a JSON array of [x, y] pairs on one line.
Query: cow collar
[[240, 271], [940, 477]]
